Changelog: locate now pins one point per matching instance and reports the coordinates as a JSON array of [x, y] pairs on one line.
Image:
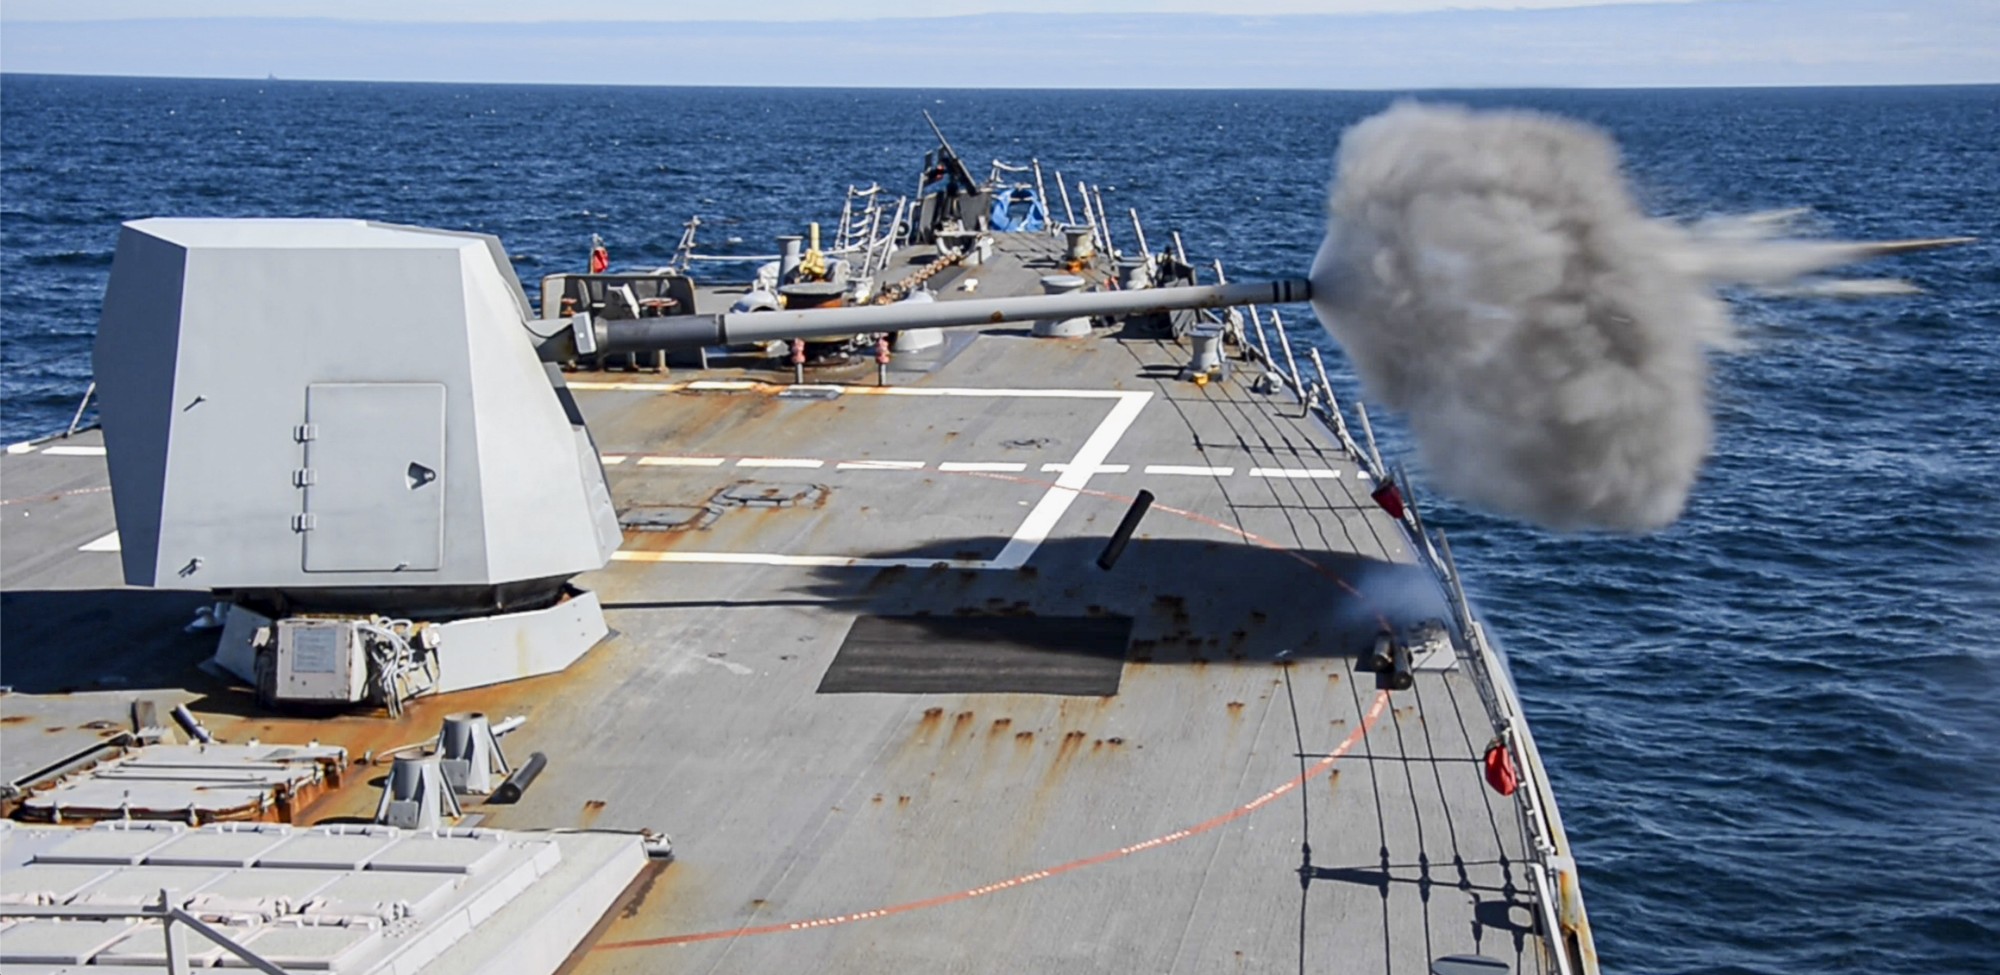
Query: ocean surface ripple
[[1772, 727]]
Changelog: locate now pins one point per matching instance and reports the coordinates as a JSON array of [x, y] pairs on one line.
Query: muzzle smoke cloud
[[1491, 277]]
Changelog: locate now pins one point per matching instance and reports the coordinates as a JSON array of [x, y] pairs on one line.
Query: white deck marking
[[629, 387], [879, 465], [1183, 470], [108, 543], [798, 561], [975, 467], [979, 391], [73, 451], [745, 386], [1317, 473], [611, 458], [1101, 468], [24, 447], [1043, 517], [805, 462], [1034, 529]]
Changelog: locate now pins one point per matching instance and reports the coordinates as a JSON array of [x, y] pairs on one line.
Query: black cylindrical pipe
[[510, 791], [1401, 677], [1382, 655], [1116, 547]]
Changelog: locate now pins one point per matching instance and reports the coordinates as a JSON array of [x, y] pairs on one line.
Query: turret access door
[[373, 477]]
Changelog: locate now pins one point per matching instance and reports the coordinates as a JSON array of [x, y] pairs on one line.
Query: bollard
[[469, 753], [1062, 328], [415, 795]]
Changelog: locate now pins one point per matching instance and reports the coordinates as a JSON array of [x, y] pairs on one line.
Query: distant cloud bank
[[1727, 42]]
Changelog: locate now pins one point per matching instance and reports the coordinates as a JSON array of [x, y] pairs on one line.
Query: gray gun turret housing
[[311, 416], [301, 405]]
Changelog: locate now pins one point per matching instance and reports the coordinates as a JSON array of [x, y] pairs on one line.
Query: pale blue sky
[[1022, 43], [461, 11]]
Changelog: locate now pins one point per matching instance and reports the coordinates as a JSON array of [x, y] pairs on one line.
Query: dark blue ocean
[[1772, 727]]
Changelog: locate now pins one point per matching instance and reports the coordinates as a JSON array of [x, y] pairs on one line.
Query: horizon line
[[964, 88]]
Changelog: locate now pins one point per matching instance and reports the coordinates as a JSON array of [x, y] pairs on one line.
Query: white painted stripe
[[879, 465], [611, 458], [1187, 471], [1015, 393], [1101, 468], [968, 467], [70, 451], [1042, 518], [801, 561], [1364, 475], [24, 447], [681, 461], [108, 543], [640, 387], [1316, 473], [806, 462], [738, 386]]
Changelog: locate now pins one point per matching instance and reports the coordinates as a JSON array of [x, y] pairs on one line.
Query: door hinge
[[304, 522], [304, 477], [305, 432]]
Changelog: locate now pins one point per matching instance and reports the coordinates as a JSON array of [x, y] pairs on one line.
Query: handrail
[[1557, 891]]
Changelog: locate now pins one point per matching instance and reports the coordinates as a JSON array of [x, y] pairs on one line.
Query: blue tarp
[[1002, 218]]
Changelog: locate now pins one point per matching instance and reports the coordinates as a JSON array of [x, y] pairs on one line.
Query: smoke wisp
[[1491, 277]]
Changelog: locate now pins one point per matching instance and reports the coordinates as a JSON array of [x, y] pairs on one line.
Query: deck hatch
[[374, 454], [1077, 655]]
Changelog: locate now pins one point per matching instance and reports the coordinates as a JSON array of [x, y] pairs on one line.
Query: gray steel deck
[[955, 831]]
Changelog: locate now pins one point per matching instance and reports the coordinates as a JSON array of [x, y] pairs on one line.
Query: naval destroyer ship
[[988, 586]]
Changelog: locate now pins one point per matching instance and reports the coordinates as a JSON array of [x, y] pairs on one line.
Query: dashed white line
[[682, 461], [24, 447], [611, 458], [805, 462], [1099, 469], [879, 465], [73, 451], [1314, 473], [799, 561], [627, 387], [998, 391], [952, 466], [1188, 471], [108, 543]]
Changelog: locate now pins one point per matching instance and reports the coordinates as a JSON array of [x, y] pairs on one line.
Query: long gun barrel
[[698, 331]]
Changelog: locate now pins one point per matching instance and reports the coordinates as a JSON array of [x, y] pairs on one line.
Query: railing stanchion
[[1368, 430], [84, 404], [1291, 364]]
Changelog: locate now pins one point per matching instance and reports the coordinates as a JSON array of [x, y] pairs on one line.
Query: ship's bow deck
[[867, 672]]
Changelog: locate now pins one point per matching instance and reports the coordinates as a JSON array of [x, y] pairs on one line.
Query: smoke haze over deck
[[1041, 44]]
